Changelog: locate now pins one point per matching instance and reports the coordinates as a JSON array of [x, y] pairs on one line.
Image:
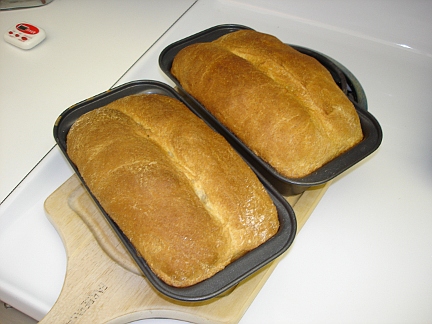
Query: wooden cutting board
[[103, 284]]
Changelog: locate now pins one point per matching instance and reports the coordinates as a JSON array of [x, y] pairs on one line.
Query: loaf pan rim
[[204, 290], [285, 185]]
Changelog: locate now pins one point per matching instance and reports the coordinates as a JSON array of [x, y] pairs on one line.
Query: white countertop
[[89, 46], [365, 254]]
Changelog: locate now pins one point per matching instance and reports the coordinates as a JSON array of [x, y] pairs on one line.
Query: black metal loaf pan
[[343, 78], [234, 272]]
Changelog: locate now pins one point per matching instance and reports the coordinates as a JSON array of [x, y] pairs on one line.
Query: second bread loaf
[[282, 104]]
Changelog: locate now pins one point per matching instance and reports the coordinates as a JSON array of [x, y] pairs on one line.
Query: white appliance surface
[[365, 254]]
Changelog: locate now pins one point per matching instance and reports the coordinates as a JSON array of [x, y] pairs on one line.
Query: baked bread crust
[[187, 201], [284, 105]]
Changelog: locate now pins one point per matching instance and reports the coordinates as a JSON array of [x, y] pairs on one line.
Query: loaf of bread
[[284, 105], [187, 201]]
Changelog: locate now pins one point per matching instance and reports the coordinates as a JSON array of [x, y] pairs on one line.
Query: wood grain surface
[[104, 285]]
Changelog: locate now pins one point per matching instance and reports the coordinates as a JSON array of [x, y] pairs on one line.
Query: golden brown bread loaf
[[186, 200], [282, 104]]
